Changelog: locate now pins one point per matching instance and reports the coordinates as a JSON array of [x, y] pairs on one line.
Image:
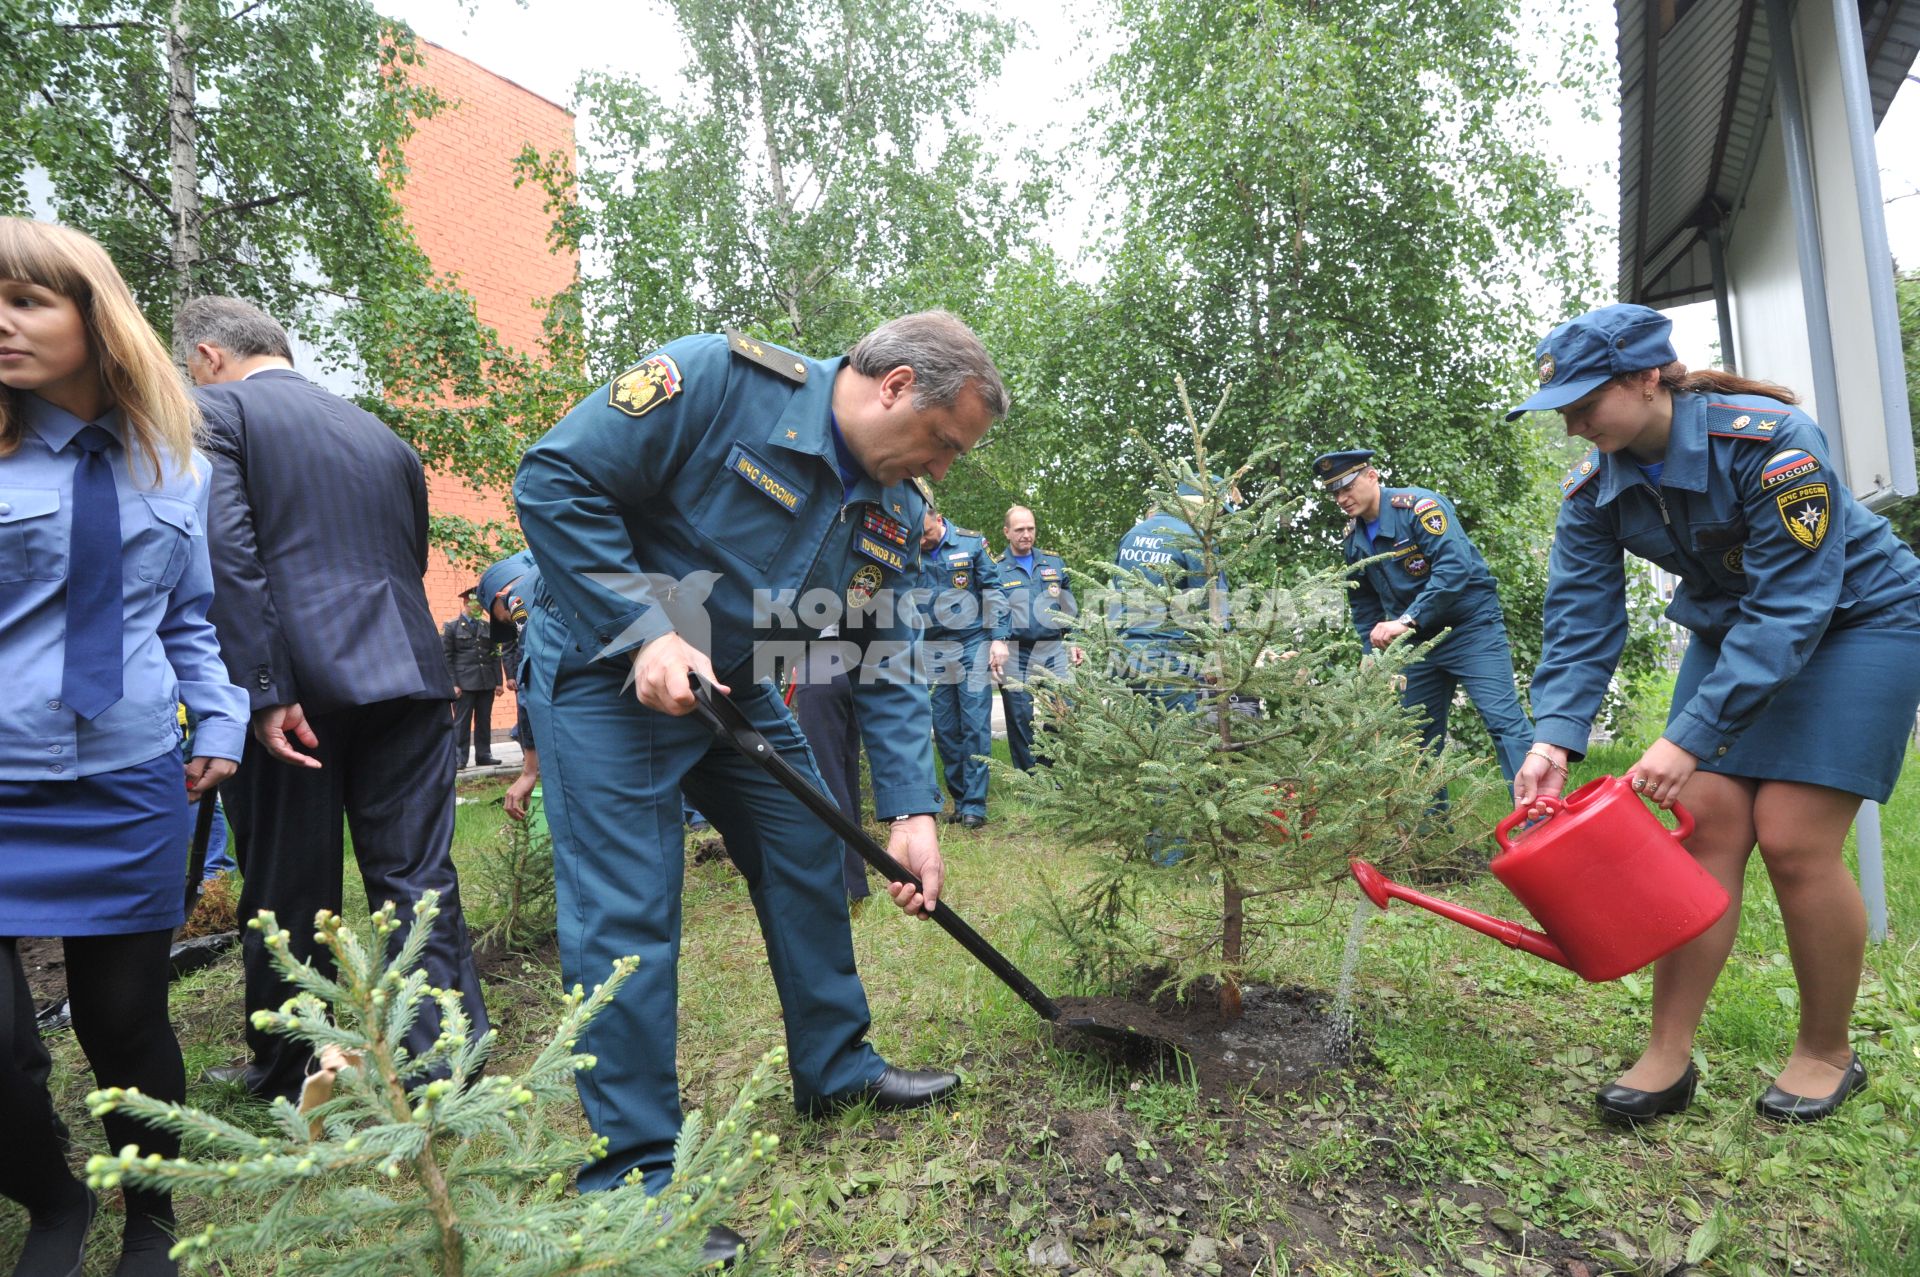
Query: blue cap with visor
[[1583, 354]]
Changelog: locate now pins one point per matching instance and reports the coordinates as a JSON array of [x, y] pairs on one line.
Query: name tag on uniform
[[880, 552], [765, 480]]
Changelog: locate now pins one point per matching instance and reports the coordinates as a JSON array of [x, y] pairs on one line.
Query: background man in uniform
[[688, 516], [1435, 579], [1039, 594], [474, 661], [1164, 549], [503, 592], [964, 613], [318, 532]]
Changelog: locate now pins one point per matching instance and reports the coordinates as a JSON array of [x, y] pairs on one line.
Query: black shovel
[[731, 726]]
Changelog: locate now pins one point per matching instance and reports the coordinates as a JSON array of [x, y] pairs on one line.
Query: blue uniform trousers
[[1023, 655], [827, 719], [1479, 655], [963, 717], [613, 773]]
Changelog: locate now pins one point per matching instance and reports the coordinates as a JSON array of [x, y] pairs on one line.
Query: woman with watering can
[[1798, 599]]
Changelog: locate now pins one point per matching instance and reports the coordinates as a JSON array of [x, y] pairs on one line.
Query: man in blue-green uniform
[[966, 626], [707, 513], [1040, 602], [1164, 549], [1433, 579]]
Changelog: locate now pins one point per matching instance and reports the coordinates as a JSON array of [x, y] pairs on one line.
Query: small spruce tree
[[1294, 757], [397, 1164]]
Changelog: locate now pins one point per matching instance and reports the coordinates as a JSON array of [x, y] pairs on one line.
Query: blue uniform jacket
[[1770, 547], [959, 587], [172, 653], [698, 493], [1162, 548], [1436, 576], [1038, 602]]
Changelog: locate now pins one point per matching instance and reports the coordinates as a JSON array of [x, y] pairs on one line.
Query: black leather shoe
[[951, 818], [1784, 1106], [893, 1090], [973, 822], [486, 762], [56, 1243], [723, 1246], [1626, 1106]]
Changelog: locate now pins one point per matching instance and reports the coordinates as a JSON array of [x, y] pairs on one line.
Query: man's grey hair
[[237, 327], [944, 354]]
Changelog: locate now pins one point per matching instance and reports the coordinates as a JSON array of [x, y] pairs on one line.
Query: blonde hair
[[162, 420]]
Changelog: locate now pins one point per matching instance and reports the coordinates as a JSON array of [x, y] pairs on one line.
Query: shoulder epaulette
[[966, 532], [1353, 525], [1581, 471], [1401, 501], [774, 359], [1731, 421]]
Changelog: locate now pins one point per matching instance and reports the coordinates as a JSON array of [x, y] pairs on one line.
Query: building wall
[[472, 221]]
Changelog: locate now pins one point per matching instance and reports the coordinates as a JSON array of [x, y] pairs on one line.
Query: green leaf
[[1706, 1238]]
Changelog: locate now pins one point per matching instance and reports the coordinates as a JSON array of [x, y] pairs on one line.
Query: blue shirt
[[1022, 561], [172, 653]]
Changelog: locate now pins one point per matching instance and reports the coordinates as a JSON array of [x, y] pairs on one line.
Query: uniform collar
[[807, 427], [57, 427], [1685, 462]]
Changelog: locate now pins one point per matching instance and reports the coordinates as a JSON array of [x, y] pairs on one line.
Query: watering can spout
[[1380, 889]]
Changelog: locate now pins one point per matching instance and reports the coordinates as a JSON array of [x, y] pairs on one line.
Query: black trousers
[[473, 719], [388, 768]]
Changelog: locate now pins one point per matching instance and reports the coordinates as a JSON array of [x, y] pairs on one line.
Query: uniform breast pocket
[[749, 508], [1646, 537], [33, 539], [161, 549]]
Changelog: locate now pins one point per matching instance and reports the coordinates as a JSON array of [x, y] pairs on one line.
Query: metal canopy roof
[[1708, 93]]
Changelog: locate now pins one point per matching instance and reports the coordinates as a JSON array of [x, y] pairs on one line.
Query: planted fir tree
[[1227, 743], [398, 1164]]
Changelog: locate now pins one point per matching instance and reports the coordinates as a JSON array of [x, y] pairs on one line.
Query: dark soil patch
[[45, 960], [1283, 1040]]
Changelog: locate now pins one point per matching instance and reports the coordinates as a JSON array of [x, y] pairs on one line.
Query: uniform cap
[[1582, 354], [503, 574], [1335, 470]]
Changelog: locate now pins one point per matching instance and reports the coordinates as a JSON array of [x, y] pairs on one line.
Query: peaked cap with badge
[[1335, 470], [1585, 353]]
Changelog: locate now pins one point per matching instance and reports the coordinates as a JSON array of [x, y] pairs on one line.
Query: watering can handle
[[1552, 802], [1555, 805]]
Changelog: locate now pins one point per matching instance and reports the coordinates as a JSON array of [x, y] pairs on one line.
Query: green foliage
[[395, 1173], [256, 150], [818, 177], [1260, 807], [512, 876], [1905, 515]]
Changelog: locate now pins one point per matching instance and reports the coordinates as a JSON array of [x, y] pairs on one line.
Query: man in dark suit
[[473, 661], [318, 533]]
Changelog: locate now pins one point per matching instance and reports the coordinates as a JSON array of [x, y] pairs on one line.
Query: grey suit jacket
[[318, 533]]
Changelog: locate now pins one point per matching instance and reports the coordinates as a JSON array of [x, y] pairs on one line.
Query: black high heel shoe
[[1629, 1106], [1784, 1106]]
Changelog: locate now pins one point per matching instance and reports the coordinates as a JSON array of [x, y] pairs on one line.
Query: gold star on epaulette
[[772, 358]]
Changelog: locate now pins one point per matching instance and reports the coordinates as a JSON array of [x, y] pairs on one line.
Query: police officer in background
[[1040, 602], [473, 661], [966, 620], [1433, 579], [686, 518]]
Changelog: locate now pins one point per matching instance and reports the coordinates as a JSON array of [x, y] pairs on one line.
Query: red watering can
[[1612, 886]]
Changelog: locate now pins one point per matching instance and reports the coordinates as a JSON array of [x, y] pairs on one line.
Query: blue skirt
[[103, 855], [1843, 721]]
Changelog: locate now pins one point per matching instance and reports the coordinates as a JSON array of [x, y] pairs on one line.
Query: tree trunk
[[1232, 939], [182, 146]]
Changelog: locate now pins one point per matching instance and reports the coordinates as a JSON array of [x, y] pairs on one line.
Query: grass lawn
[[1464, 1142]]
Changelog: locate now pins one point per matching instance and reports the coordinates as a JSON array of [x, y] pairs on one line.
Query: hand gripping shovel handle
[[731, 726]]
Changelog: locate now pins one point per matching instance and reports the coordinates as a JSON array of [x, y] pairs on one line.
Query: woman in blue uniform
[[1799, 601], [104, 585]]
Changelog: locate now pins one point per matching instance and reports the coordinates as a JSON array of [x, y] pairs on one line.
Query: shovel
[[730, 725]]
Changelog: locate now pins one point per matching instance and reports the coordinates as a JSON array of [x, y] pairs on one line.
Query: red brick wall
[[472, 221]]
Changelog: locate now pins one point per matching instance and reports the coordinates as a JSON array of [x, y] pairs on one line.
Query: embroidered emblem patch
[[864, 585], [880, 552], [1804, 512], [1416, 565], [1325, 466], [638, 391], [765, 480], [1401, 501], [1735, 560], [1546, 369], [1785, 467], [1054, 589], [960, 580], [1432, 517], [881, 526]]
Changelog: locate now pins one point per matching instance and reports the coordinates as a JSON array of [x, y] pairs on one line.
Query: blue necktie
[[96, 618]]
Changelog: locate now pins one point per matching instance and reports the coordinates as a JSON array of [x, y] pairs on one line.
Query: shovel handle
[[730, 725]]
